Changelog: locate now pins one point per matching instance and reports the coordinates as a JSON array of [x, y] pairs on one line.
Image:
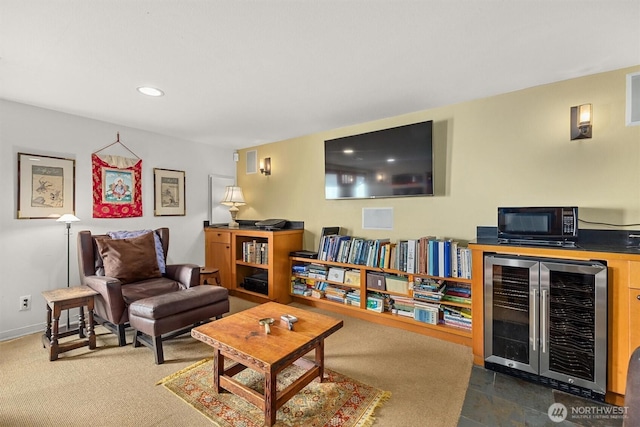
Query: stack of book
[[337, 293], [403, 306], [458, 292], [353, 298], [317, 271], [300, 286], [300, 270], [456, 316], [429, 290]]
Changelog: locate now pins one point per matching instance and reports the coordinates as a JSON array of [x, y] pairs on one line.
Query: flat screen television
[[395, 162]]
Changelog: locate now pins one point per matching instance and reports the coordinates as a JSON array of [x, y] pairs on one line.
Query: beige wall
[[511, 149]]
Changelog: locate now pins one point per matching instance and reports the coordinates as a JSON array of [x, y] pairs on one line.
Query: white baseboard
[[31, 329], [20, 332]]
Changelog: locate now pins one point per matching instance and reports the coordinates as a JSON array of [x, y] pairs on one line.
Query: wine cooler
[[546, 321]]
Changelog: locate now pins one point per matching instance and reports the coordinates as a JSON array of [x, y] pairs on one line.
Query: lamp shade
[[584, 114], [68, 218], [233, 196]]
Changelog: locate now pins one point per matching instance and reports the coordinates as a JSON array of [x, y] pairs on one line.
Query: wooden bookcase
[[445, 332], [224, 250]]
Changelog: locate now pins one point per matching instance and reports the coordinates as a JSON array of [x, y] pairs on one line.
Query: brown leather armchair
[[111, 305]]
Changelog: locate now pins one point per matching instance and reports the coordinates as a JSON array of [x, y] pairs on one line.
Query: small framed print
[[46, 186], [169, 192]]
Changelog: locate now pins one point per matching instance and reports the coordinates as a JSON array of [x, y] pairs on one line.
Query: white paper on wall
[[218, 214]]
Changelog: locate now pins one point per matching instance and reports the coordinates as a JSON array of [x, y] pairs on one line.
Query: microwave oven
[[553, 225]]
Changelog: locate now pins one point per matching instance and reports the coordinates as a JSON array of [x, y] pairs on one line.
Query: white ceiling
[[239, 73]]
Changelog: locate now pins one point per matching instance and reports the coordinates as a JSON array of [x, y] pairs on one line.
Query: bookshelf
[[362, 308], [240, 253]]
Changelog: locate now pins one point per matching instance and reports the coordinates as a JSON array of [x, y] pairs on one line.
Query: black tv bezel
[[382, 131]]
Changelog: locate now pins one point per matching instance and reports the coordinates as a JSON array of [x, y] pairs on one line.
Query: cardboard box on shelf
[[376, 281]]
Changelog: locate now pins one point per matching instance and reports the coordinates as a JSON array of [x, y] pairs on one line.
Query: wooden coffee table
[[241, 338]]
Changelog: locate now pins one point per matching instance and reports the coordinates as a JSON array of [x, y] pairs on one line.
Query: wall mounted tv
[[395, 162]]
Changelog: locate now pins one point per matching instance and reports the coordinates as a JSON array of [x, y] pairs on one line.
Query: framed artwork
[[169, 192], [117, 188], [46, 186]]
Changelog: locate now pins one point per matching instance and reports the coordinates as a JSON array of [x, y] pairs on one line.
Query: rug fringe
[[368, 418], [182, 371]]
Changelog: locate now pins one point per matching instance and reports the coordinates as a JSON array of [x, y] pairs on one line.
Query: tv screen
[[395, 162]]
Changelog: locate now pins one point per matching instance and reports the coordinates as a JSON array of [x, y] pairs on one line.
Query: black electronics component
[[257, 283]]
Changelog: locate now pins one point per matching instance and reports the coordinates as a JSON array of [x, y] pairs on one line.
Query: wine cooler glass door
[[511, 312], [573, 323]]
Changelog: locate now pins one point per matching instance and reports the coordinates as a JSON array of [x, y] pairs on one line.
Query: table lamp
[[233, 197]]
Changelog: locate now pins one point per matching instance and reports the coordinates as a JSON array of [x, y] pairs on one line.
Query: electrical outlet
[[25, 303]]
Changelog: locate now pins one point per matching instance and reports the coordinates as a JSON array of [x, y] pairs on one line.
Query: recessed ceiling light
[[150, 91]]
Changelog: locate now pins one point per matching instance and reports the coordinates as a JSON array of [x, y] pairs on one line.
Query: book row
[[255, 252], [426, 255], [422, 289], [428, 303]]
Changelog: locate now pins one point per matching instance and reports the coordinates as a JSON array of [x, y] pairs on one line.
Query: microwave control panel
[[569, 222]]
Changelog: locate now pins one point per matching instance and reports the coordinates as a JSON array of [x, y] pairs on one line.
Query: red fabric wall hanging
[[117, 186]]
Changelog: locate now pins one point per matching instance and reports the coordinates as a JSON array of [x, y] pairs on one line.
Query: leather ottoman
[[165, 316]]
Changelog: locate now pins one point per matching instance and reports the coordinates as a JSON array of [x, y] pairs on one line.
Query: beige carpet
[[116, 386]]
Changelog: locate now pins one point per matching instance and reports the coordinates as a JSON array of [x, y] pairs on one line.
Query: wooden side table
[[65, 299], [210, 276]]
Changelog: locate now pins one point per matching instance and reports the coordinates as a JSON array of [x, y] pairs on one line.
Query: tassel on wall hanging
[[117, 184]]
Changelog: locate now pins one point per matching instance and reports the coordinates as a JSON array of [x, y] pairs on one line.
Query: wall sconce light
[[581, 121], [265, 166]]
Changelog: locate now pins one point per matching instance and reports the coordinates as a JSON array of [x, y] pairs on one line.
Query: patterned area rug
[[338, 401]]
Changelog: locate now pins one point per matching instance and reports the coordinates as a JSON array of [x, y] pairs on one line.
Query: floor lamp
[[68, 219]]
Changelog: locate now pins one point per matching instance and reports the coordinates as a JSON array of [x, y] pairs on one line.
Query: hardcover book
[[352, 277], [336, 274]]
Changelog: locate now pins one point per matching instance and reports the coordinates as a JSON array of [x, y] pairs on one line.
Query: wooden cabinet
[[218, 253], [623, 305], [634, 320], [633, 309], [225, 249], [441, 331]]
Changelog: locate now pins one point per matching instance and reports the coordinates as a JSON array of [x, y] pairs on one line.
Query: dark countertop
[[612, 241], [250, 225]]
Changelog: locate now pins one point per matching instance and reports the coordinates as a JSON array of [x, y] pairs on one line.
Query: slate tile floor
[[494, 399]]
